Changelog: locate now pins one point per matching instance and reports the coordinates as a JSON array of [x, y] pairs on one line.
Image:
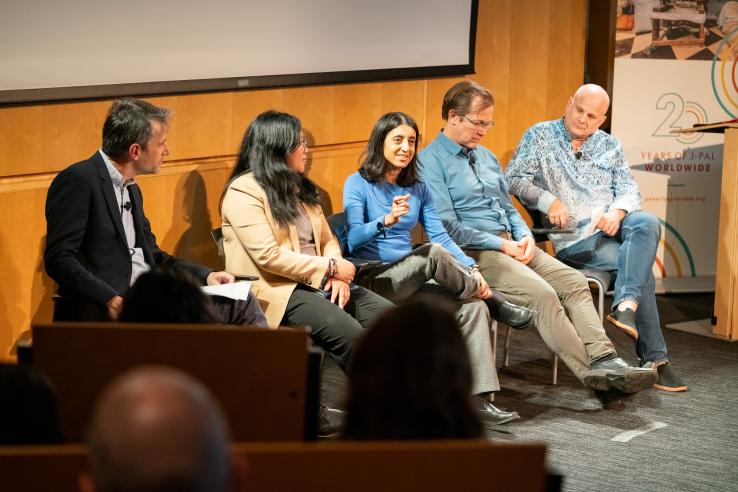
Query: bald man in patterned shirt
[[577, 176]]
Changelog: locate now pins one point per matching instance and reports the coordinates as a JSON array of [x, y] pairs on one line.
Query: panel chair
[[599, 279], [217, 235]]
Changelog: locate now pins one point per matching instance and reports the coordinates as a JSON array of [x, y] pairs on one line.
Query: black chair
[[217, 235], [597, 278], [337, 223]]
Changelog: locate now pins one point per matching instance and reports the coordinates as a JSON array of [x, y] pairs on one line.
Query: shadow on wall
[[190, 209], [325, 199], [10, 309], [42, 291]]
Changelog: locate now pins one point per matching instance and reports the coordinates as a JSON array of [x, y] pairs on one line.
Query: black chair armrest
[[551, 230], [247, 277], [359, 262]]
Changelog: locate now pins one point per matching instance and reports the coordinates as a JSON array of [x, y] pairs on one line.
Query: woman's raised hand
[[400, 207]]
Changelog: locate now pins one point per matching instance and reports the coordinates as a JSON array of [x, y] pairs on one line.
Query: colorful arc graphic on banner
[[672, 253], [700, 115], [723, 76]]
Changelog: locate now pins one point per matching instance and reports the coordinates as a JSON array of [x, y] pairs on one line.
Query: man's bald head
[[585, 111], [155, 429]]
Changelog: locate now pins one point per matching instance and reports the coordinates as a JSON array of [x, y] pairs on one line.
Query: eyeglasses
[[482, 125], [303, 144]]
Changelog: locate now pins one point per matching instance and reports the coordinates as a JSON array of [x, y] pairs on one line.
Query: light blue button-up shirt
[[544, 167], [473, 203]]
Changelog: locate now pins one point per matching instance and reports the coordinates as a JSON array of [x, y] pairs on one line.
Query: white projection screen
[[52, 50]]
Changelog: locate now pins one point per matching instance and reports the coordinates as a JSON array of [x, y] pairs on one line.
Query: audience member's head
[[392, 144], [28, 412], [410, 377], [166, 295], [157, 429]]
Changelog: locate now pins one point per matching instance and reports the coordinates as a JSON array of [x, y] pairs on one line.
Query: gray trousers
[[430, 268], [566, 319]]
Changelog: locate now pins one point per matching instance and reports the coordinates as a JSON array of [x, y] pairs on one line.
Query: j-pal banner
[[678, 174]]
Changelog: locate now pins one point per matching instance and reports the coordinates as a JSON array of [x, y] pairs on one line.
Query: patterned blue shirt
[[472, 201], [544, 167]]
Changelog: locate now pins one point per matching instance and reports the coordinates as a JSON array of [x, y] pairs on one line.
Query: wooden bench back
[[259, 376], [386, 466]]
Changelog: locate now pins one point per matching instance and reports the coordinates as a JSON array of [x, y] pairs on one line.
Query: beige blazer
[[255, 245]]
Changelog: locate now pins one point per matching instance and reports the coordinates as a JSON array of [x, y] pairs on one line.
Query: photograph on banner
[[678, 174], [677, 29]]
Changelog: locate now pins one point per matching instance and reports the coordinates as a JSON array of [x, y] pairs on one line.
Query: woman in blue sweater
[[383, 202]]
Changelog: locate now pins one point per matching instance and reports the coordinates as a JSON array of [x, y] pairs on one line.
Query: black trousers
[[334, 329]]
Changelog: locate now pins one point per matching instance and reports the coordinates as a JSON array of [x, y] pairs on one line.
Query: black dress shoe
[[487, 412], [517, 317], [613, 372], [330, 421]]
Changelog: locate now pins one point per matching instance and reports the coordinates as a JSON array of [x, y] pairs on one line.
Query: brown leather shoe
[[669, 379], [625, 320]]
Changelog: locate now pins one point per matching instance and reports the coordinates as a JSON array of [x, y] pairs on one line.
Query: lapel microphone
[[472, 160], [578, 154], [127, 206]]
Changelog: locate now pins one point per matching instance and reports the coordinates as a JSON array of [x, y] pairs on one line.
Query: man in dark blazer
[[98, 238]]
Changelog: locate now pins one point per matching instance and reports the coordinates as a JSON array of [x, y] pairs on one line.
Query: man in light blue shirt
[[578, 177], [472, 199]]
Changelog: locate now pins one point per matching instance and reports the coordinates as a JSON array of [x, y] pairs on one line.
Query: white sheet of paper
[[238, 291], [596, 216]]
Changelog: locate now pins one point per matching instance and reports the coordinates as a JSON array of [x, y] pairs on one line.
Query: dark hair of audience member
[[410, 377], [374, 164], [28, 412], [166, 295]]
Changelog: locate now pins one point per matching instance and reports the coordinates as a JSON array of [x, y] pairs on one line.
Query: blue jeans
[[629, 256]]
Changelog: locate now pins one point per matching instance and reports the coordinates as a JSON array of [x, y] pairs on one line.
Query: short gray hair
[[129, 122]]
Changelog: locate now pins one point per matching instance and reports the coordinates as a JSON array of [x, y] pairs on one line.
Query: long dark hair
[[268, 140], [410, 377], [374, 164]]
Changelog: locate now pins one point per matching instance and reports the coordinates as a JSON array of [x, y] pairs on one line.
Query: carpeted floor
[[691, 439]]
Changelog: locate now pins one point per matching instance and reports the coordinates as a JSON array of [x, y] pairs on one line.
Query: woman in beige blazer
[[274, 227]]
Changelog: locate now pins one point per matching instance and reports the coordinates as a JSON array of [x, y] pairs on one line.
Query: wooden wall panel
[[47, 138], [25, 290], [201, 126], [529, 53], [329, 167]]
